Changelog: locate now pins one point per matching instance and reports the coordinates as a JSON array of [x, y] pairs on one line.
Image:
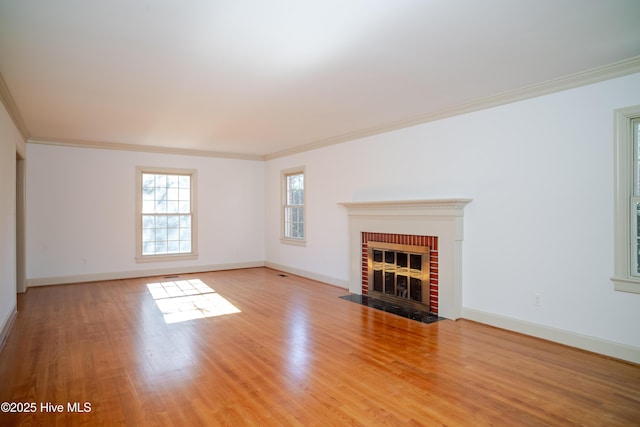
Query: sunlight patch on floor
[[183, 300]]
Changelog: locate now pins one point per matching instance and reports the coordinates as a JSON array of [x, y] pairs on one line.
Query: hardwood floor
[[289, 352]]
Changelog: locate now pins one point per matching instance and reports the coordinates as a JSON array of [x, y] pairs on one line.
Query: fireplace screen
[[399, 273]]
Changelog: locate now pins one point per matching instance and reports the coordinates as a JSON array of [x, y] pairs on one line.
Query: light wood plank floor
[[294, 354]]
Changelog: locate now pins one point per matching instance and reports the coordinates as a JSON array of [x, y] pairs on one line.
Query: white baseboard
[[572, 339], [5, 328], [45, 281], [309, 275]]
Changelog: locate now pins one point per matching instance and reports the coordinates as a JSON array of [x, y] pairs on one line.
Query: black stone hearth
[[409, 313]]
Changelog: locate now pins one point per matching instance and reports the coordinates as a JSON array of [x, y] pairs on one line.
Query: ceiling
[[255, 77]]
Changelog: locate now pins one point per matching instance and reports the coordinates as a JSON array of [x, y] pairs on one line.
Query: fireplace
[[397, 268], [431, 228]]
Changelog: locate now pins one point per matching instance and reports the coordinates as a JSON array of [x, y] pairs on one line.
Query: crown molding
[[142, 148], [594, 75], [9, 103]]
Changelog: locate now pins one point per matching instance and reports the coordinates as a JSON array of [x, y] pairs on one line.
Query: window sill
[[631, 285], [165, 258], [293, 242]]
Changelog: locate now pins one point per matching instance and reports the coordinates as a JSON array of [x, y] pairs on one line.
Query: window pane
[[172, 180], [148, 221], [172, 207], [161, 234], [148, 193], [185, 234], [160, 193], [148, 235], [637, 238], [173, 193], [173, 221], [148, 180], [148, 206], [148, 248], [160, 206], [161, 221], [184, 207], [161, 247], [636, 132], [295, 189], [173, 234], [173, 247]]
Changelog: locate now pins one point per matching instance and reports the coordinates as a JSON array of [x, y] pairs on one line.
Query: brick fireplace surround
[[404, 239], [437, 223]]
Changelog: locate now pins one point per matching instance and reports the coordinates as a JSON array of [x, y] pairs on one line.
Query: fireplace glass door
[[399, 273]]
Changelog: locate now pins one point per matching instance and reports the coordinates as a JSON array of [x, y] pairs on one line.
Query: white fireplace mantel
[[429, 217], [428, 205]]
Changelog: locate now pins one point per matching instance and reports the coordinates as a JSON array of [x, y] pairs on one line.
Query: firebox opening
[[400, 274]]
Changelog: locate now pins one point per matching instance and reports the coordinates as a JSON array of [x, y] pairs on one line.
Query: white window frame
[[626, 278], [194, 215], [283, 179]]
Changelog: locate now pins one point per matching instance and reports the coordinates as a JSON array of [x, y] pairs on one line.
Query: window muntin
[[294, 205], [166, 214]]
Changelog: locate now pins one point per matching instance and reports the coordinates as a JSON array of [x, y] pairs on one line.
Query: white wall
[[540, 173], [81, 212], [9, 140]]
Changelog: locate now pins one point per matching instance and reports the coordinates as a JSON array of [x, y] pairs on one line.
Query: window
[[293, 206], [627, 200], [166, 217]]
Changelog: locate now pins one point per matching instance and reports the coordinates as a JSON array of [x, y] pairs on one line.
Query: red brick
[[404, 239]]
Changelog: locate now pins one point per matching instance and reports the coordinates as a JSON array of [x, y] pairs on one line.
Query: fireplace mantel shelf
[[422, 203], [425, 207]]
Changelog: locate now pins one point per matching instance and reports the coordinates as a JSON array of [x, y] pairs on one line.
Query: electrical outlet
[[537, 300]]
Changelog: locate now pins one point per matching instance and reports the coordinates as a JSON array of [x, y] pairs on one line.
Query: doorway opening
[[21, 281]]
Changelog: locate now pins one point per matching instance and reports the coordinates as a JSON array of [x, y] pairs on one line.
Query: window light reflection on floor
[[183, 300]]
